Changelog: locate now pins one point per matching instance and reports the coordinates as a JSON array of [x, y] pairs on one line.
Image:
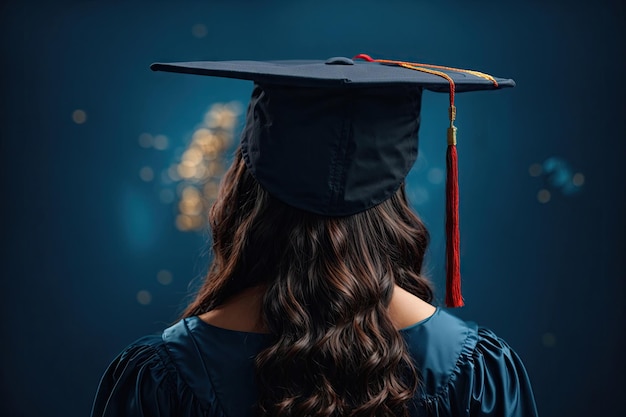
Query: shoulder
[[468, 370], [437, 345], [146, 379]]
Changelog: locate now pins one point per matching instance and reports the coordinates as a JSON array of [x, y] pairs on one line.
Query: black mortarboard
[[337, 137]]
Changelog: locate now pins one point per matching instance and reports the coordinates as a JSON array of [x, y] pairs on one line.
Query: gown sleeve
[[491, 381], [141, 382]]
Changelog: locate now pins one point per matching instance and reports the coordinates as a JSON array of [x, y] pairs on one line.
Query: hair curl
[[329, 282]]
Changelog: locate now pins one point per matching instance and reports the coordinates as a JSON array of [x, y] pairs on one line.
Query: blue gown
[[195, 369]]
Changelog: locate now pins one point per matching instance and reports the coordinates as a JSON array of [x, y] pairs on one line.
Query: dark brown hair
[[329, 282]]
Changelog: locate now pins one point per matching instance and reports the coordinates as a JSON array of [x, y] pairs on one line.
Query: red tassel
[[453, 258]]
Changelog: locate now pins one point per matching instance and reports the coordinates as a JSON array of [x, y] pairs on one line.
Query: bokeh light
[[544, 196], [535, 170], [161, 142], [418, 195], [557, 176], [146, 140], [167, 196], [144, 297], [79, 116], [436, 175], [549, 339], [201, 166], [199, 30], [146, 174], [164, 277], [578, 179]]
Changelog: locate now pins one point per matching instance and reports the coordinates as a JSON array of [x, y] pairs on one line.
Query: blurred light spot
[[543, 196], [186, 170], [166, 196], [181, 187], [144, 297], [202, 164], [435, 175], [173, 173], [164, 277], [165, 177], [210, 190], [417, 195], [548, 339], [190, 207], [191, 203], [184, 222], [199, 30], [189, 222], [146, 174], [79, 116], [146, 140], [190, 193], [221, 116], [160, 142], [535, 170], [558, 175], [578, 179], [193, 156], [201, 172], [421, 163]]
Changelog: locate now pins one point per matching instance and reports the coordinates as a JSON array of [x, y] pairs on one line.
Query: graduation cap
[[339, 136]]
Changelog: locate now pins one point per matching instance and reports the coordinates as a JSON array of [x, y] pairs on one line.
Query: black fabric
[[330, 151], [332, 137], [311, 73]]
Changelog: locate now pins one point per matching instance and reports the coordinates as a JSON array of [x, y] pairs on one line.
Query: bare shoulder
[[405, 309]]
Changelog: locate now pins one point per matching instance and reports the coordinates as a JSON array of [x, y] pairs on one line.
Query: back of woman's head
[[328, 284]]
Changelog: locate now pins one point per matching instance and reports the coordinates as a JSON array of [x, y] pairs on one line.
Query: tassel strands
[[453, 241]]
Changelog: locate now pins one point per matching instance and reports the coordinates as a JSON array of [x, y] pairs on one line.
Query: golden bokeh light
[[188, 223], [535, 170], [164, 277], [192, 156], [79, 116], [543, 196], [183, 222], [191, 207], [186, 170], [144, 297], [193, 181], [197, 174], [578, 179], [201, 172], [222, 116], [210, 190], [190, 193]]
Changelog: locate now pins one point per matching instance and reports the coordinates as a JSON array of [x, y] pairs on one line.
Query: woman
[[314, 304]]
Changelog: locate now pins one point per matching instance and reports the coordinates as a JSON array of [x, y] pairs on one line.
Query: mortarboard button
[[339, 60]]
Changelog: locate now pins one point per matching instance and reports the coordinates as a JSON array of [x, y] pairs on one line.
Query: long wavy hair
[[329, 282]]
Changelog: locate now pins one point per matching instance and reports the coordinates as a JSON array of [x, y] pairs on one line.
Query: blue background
[[82, 234]]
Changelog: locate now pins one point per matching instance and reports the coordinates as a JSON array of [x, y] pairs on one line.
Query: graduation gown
[[194, 369]]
